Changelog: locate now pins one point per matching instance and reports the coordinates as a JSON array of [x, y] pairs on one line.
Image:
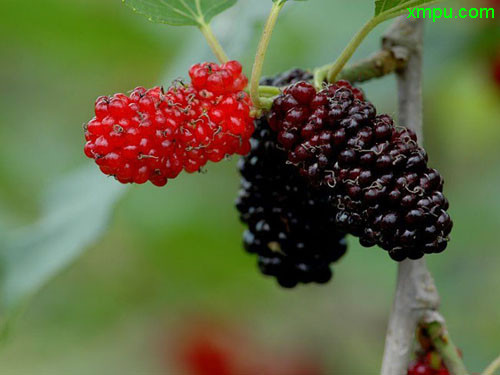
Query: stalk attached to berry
[[262, 49]]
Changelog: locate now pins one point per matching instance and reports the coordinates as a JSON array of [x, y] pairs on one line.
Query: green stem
[[261, 52], [266, 103], [320, 76], [269, 91], [213, 42], [344, 57], [331, 71], [266, 91], [493, 367], [448, 351]]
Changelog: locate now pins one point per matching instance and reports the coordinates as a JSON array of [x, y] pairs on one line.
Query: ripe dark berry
[[376, 173], [154, 135], [291, 227], [303, 92]]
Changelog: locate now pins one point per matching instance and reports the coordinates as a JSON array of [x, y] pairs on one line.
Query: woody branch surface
[[381, 63], [416, 295]]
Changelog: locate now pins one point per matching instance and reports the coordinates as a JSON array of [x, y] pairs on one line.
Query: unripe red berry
[[155, 134]]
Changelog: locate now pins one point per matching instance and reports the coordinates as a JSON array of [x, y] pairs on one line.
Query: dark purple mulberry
[[376, 173]]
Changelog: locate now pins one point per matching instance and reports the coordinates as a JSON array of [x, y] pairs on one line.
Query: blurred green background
[[174, 254]]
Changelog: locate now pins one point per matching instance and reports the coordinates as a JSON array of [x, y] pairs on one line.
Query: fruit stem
[[268, 91], [448, 351], [266, 103], [261, 52], [213, 42], [495, 365]]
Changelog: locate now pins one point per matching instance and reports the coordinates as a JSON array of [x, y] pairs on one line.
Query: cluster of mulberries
[[291, 227], [155, 134], [376, 172]]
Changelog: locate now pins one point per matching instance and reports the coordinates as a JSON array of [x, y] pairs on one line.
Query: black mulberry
[[291, 227], [376, 172]]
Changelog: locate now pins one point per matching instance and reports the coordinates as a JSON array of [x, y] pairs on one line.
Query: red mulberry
[[154, 135]]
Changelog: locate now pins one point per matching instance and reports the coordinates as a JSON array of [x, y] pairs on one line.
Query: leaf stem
[[493, 367], [344, 57], [261, 52], [331, 71], [213, 42]]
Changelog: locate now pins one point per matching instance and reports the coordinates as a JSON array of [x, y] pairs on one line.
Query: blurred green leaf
[[180, 12], [75, 212], [284, 1], [397, 6]]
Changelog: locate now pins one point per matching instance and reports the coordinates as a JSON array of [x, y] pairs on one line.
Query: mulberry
[[291, 227], [376, 172], [154, 135]]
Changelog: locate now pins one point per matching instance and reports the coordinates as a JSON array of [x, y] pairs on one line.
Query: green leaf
[[395, 6], [75, 212], [180, 12]]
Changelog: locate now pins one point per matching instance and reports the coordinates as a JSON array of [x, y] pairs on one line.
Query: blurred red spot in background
[[213, 348]]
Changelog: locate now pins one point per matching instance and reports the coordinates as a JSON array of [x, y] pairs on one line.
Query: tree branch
[[380, 64], [416, 299]]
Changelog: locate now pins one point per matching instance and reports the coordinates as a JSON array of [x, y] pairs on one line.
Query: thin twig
[[382, 63]]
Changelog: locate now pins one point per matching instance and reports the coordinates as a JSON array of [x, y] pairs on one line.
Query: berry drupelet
[[291, 227], [376, 172], [154, 135]]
